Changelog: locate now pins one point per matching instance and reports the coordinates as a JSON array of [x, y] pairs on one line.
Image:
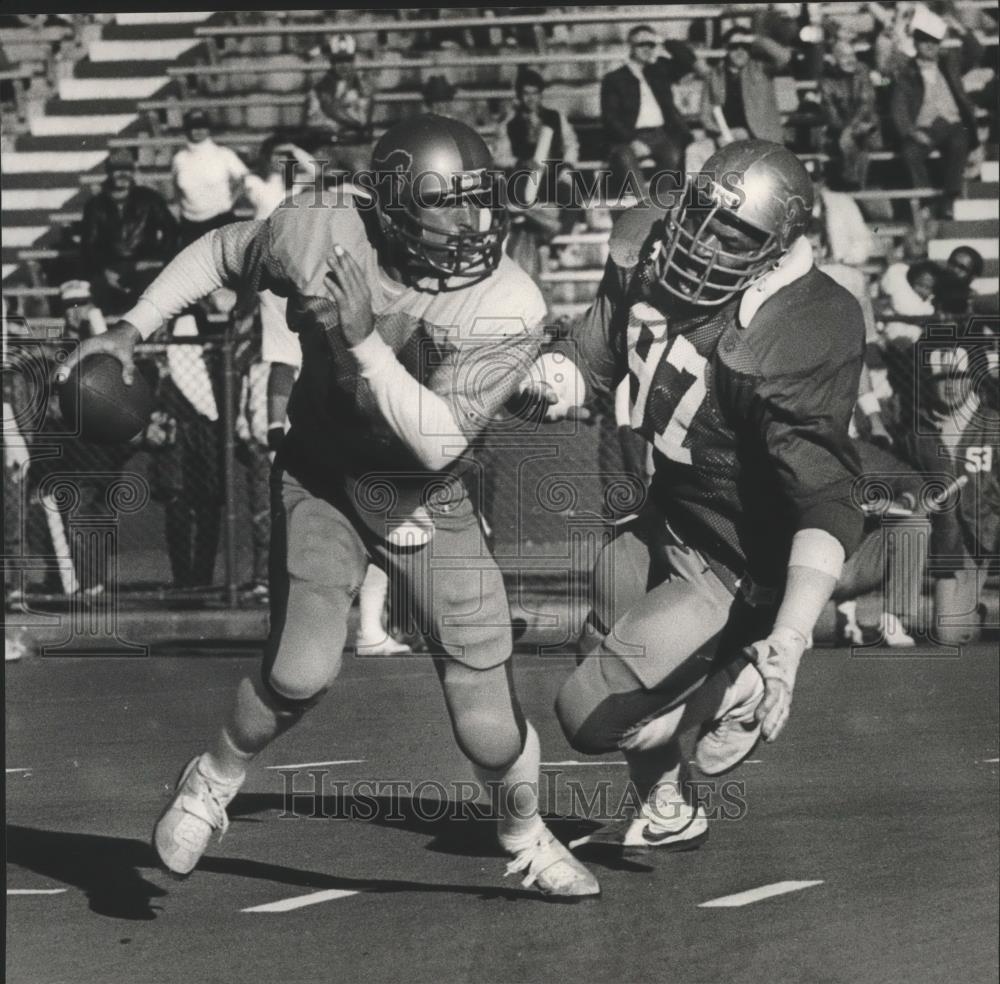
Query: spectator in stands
[[208, 179], [848, 99], [538, 148], [439, 96], [844, 236], [930, 110], [82, 317], [893, 40], [637, 107], [742, 89], [17, 399], [907, 300], [891, 558], [957, 435], [186, 472], [279, 167], [125, 226], [339, 108], [954, 295]]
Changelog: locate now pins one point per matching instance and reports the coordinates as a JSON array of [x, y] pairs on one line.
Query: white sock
[[371, 605], [520, 822]]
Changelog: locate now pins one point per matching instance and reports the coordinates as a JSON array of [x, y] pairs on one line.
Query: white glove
[[777, 660]]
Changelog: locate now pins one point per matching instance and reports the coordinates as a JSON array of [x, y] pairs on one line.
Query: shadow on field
[[114, 872]]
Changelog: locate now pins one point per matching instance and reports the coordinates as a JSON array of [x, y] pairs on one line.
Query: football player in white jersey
[[415, 330]]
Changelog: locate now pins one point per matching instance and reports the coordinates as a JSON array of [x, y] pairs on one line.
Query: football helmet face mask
[[737, 218], [439, 207]]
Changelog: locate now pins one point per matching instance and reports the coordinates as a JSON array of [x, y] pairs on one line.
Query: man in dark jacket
[[638, 111], [930, 111], [123, 225]]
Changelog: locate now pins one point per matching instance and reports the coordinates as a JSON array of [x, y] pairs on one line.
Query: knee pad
[[294, 702], [599, 702], [486, 717]]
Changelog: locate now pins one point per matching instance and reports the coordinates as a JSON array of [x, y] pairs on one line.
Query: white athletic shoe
[[197, 809], [686, 831], [386, 646], [552, 869], [730, 738], [847, 623], [893, 633]]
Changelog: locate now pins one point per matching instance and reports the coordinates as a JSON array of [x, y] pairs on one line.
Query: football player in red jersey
[[743, 363], [415, 329]]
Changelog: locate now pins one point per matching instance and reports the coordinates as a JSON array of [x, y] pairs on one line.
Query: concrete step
[[141, 51], [130, 88], [64, 162], [77, 124], [42, 199], [15, 218], [36, 180], [17, 236], [976, 209], [940, 249], [978, 228], [87, 69], [983, 189], [90, 141], [89, 107], [165, 31], [165, 17]]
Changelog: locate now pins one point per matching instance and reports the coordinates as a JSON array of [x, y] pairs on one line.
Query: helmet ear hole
[[423, 167], [759, 201]]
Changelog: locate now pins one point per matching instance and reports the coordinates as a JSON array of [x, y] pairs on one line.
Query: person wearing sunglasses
[[638, 111]]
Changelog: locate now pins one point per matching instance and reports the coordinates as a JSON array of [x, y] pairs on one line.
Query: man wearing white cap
[[929, 107]]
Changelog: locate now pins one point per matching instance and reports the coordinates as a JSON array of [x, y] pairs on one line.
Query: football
[[97, 404]]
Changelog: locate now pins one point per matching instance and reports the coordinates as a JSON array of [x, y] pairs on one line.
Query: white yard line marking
[[756, 894], [990, 761], [300, 901], [575, 762], [18, 770], [36, 891], [309, 765]]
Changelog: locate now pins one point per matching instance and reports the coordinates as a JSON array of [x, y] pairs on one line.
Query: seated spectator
[[81, 316], [339, 108], [439, 96], [890, 560], [954, 295], [123, 224], [280, 167], [740, 101], [207, 178], [537, 146], [638, 112], [907, 300], [848, 99], [844, 236], [957, 435], [930, 110]]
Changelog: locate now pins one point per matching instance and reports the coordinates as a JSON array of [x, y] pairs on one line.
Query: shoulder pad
[[810, 323], [630, 232]]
